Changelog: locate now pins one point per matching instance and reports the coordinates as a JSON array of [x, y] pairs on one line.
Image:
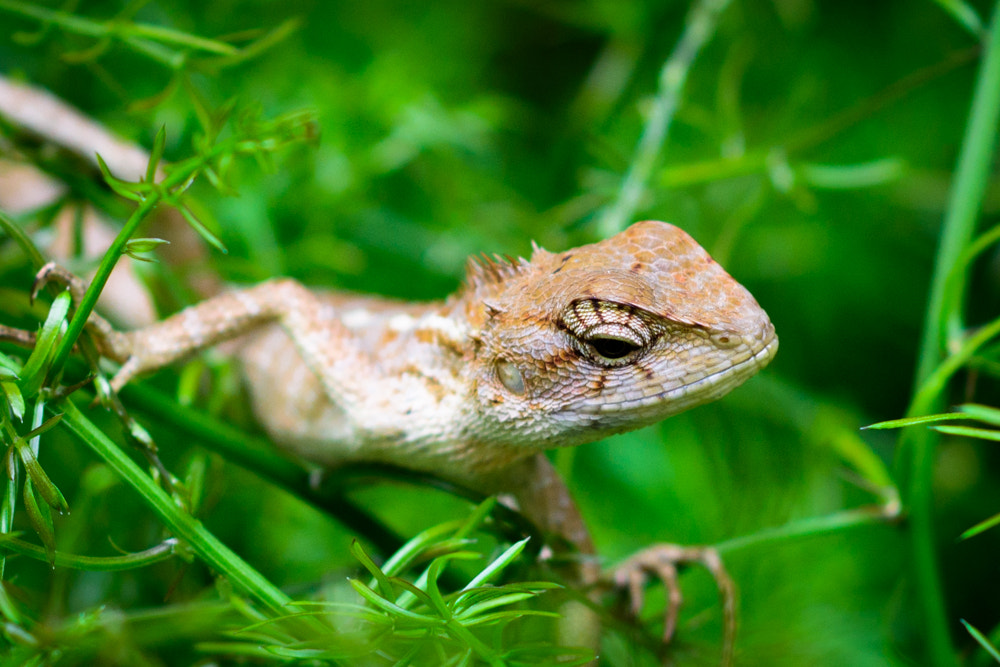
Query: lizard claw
[[661, 561]]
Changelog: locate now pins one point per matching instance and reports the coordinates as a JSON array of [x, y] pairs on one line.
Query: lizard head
[[610, 337]]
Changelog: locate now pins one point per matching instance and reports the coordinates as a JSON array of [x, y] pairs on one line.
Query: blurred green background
[[811, 154]]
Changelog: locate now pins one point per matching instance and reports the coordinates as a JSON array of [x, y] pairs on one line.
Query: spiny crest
[[485, 271]]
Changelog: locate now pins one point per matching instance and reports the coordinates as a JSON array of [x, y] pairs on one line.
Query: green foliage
[[811, 146], [414, 622]]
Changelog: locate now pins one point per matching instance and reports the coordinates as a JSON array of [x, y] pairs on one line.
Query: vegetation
[[836, 157]]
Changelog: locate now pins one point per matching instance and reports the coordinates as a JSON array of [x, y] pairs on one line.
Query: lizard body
[[529, 355]]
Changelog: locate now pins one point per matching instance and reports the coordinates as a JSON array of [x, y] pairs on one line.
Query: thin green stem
[[181, 174], [813, 527], [261, 458], [943, 323], [117, 29], [182, 525], [160, 552], [699, 28]]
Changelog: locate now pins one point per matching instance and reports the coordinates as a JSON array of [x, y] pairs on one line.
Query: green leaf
[[160, 552], [403, 557], [202, 230], [916, 421], [41, 520], [388, 607], [134, 248], [983, 413], [21, 636], [499, 601], [14, 398], [261, 44], [983, 641], [970, 432], [35, 368], [965, 16], [980, 527], [497, 566], [42, 428], [384, 586], [484, 594], [122, 188], [505, 616], [477, 517], [419, 594], [48, 491]]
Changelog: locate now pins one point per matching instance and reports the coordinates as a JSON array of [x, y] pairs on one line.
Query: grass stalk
[[942, 327]]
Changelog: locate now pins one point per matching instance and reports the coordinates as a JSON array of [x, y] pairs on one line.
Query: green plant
[[812, 169]]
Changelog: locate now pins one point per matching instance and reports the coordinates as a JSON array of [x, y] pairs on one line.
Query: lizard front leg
[[534, 488], [310, 323]]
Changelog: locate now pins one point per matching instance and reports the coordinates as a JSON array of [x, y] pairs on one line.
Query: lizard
[[528, 355]]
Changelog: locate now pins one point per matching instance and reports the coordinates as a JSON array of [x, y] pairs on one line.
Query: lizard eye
[[608, 333], [611, 345], [612, 348]]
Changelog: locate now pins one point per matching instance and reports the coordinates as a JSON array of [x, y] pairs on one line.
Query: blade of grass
[[982, 640], [980, 527], [943, 323]]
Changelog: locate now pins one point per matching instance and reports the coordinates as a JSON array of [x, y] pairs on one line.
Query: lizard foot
[[661, 561], [54, 273], [104, 335], [107, 341]]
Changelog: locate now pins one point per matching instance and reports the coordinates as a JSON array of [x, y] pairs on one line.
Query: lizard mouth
[[721, 382]]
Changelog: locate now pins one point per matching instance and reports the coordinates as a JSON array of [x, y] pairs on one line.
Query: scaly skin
[[529, 355], [509, 366]]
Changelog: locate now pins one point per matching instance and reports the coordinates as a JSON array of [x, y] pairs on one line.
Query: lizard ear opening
[[510, 377]]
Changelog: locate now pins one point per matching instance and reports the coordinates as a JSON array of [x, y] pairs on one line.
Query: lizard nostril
[[726, 340]]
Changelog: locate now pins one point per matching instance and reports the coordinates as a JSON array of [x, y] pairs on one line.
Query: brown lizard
[[529, 355], [557, 351]]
